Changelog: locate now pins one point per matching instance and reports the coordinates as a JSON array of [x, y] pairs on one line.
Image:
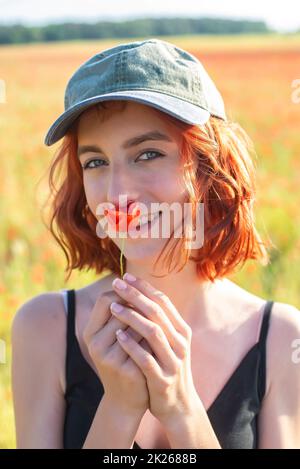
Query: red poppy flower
[[121, 220]]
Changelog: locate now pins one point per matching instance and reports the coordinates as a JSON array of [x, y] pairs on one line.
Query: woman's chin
[[142, 250]]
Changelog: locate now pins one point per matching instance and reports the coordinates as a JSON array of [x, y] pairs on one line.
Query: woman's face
[[146, 171]]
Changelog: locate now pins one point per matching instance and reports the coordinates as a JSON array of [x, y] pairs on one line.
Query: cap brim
[[182, 110]]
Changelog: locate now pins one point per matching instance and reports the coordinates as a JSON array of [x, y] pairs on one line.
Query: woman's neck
[[185, 289]]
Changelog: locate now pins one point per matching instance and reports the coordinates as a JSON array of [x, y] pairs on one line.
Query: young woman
[[204, 363]]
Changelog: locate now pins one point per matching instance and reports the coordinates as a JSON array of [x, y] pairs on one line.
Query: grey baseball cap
[[152, 72]]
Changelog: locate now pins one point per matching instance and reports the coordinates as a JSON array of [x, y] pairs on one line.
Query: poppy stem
[[121, 256]]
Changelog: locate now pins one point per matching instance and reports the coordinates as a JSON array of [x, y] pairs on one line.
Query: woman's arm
[[38, 358], [120, 429], [279, 420]]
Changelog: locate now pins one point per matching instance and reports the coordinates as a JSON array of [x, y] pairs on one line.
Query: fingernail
[[118, 283], [116, 307], [129, 277]]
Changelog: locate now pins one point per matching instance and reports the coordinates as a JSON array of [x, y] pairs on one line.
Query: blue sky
[[280, 15]]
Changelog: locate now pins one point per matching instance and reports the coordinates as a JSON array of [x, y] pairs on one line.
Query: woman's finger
[[150, 331]]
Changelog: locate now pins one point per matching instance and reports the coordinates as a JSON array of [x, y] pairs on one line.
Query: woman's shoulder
[[41, 317], [40, 312], [40, 322], [48, 307], [282, 314], [282, 380], [283, 339], [243, 305], [45, 313], [283, 331], [38, 329], [284, 318]]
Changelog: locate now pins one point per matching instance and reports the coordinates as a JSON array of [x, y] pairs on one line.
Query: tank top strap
[[263, 349], [71, 348], [70, 317]]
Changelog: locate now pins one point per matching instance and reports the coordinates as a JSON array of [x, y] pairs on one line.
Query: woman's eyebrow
[[154, 135]]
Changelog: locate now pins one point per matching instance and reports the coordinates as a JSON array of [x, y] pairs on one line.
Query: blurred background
[[252, 52]]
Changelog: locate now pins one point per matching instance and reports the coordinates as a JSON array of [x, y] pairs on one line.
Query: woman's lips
[[146, 226], [120, 221]]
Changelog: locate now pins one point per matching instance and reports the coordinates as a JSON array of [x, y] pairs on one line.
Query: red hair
[[218, 171]]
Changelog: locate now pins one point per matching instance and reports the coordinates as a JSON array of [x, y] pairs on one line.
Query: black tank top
[[233, 414]]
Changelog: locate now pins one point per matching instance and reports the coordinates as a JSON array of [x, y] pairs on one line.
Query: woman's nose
[[120, 189]]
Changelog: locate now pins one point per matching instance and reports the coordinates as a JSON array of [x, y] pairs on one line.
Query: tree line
[[145, 27]]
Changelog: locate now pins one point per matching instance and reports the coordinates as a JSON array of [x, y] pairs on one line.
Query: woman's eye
[[98, 162], [156, 154], [90, 164]]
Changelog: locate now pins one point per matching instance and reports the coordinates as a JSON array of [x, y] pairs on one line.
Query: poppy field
[[258, 78]]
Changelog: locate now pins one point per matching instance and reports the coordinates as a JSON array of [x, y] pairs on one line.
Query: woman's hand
[[168, 372], [124, 384]]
